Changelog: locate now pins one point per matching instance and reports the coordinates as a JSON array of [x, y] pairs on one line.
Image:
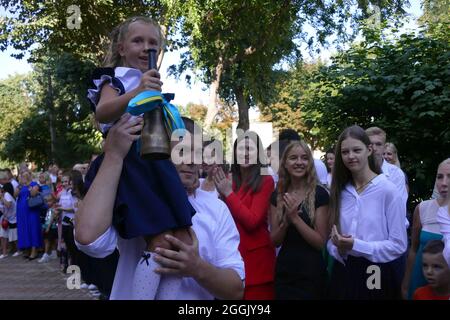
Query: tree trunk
[[243, 107], [213, 93], [51, 118]]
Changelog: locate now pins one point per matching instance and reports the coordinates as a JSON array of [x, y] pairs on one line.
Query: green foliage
[[15, 106], [29, 141], [399, 84], [285, 107], [436, 14], [51, 25], [246, 39], [56, 90], [196, 112]]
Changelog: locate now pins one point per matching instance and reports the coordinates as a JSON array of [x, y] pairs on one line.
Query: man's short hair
[[434, 247], [289, 134], [375, 131], [189, 124]]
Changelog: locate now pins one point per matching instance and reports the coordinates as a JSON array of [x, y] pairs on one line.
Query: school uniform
[[301, 272], [375, 220], [67, 200], [150, 196], [398, 178]]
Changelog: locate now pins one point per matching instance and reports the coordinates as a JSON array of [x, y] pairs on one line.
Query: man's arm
[[94, 216]]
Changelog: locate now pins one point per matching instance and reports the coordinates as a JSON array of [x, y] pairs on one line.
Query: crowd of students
[[298, 233], [298, 238]]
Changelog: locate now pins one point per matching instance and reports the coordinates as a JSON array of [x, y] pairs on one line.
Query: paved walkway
[[22, 279]]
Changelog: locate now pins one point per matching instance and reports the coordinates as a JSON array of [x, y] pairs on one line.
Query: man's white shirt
[[218, 240]]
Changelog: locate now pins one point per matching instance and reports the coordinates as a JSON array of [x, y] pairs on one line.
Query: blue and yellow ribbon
[[149, 100]]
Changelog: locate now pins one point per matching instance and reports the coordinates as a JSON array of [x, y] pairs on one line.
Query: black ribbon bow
[[145, 257]]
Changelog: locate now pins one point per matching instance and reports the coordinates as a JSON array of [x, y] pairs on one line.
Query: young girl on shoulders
[[150, 201]]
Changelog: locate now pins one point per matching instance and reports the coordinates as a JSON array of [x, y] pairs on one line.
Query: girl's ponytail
[[112, 58]]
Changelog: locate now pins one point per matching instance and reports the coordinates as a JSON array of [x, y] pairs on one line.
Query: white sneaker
[[92, 287], [45, 258], [84, 285], [3, 256], [17, 253], [53, 255]]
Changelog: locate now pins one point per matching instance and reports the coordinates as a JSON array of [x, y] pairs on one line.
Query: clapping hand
[[291, 204], [223, 184]]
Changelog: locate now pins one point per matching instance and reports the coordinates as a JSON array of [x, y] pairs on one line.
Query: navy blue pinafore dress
[[150, 197]]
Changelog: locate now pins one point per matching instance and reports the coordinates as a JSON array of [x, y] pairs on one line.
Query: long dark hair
[[341, 174], [254, 179], [329, 151], [8, 187], [78, 189]]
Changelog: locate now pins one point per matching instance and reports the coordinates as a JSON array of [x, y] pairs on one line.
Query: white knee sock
[[169, 287], [146, 281]]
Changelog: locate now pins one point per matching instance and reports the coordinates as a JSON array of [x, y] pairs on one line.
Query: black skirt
[[361, 279]]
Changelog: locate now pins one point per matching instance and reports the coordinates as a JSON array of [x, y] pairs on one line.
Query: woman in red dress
[[248, 197]]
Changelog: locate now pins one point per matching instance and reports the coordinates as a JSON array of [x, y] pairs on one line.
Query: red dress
[[250, 213]]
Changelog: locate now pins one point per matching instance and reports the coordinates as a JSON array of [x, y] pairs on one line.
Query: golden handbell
[[155, 142]]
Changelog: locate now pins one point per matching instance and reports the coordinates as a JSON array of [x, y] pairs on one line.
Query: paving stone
[[30, 280]]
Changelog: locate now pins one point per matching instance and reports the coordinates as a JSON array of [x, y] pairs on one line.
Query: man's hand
[[185, 262], [121, 136]]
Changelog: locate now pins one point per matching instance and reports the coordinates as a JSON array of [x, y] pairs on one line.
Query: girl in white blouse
[[368, 233]]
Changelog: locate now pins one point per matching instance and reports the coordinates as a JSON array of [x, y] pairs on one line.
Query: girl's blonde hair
[[284, 181], [394, 152], [113, 58], [445, 162]]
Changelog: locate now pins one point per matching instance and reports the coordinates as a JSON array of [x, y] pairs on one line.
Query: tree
[[400, 84], [235, 45], [15, 107], [55, 126], [290, 92], [80, 28], [435, 12], [196, 112]]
